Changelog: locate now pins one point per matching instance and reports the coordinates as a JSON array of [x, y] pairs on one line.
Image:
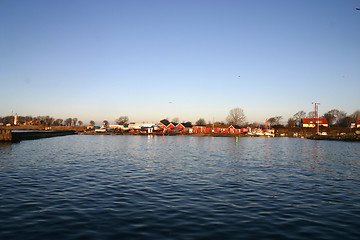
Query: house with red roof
[[312, 122], [167, 126], [355, 124], [185, 127], [234, 129]]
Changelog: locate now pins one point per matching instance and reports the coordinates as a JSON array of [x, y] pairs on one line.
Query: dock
[[17, 136]]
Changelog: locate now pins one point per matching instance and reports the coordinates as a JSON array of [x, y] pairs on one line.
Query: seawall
[[5, 135], [17, 136]]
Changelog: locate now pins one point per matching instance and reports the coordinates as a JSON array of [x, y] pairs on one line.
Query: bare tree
[[58, 122], [74, 121], [200, 122], [68, 122], [22, 119], [275, 120], [50, 121], [355, 115], [8, 120], [335, 116], [122, 120], [291, 122], [236, 116], [345, 121], [311, 114], [92, 123], [106, 123], [254, 124], [298, 116], [329, 117], [41, 119], [80, 123]]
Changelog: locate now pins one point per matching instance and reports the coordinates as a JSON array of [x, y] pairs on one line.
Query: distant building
[[234, 129], [16, 119], [312, 122], [116, 127], [185, 127], [355, 124], [33, 122], [167, 126]]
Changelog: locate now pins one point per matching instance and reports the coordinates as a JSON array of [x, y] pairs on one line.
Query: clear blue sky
[[150, 60]]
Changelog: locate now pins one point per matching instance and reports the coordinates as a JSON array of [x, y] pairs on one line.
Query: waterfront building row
[[168, 127]]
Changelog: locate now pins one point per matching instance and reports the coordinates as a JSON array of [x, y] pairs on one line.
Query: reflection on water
[[147, 187], [5, 148]]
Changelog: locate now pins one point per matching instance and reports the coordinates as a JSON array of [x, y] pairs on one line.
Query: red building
[[185, 127], [221, 130], [202, 129], [167, 126], [355, 124], [234, 129], [312, 122]]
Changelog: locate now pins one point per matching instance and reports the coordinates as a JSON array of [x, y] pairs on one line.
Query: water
[[139, 187]]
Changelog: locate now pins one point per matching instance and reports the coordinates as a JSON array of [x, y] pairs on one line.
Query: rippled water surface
[[140, 187]]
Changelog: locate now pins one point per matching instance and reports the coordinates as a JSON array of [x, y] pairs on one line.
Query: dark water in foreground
[[139, 187]]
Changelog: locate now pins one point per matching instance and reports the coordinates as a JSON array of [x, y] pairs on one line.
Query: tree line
[[236, 116], [42, 120], [335, 118]]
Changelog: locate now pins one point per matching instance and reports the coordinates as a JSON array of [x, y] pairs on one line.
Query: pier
[[17, 136]]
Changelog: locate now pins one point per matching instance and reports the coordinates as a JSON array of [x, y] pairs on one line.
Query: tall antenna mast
[[317, 116]]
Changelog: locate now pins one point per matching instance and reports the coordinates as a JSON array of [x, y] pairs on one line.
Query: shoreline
[[348, 138], [334, 134]]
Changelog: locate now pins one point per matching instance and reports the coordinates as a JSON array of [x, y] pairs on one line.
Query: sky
[[156, 59]]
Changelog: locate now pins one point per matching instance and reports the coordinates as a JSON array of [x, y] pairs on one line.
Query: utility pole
[[213, 124], [317, 117]]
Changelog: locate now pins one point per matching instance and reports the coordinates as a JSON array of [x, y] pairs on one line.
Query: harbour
[[184, 187], [179, 120]]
